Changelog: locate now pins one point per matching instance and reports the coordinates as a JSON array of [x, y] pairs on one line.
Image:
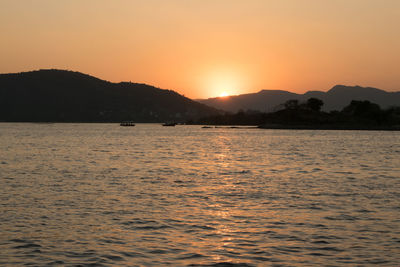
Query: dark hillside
[[66, 96]]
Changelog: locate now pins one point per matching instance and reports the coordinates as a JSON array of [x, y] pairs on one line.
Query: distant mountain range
[[66, 96], [335, 99]]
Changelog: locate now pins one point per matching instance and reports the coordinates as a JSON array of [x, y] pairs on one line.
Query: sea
[[105, 195]]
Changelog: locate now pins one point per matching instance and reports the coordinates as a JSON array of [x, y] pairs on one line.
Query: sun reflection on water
[[153, 196]]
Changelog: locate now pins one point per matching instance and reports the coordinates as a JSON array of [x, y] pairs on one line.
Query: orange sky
[[203, 48]]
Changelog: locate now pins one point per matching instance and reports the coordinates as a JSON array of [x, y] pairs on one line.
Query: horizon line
[[213, 97]]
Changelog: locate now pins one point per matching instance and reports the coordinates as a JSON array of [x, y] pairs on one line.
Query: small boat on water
[[127, 123], [169, 124]]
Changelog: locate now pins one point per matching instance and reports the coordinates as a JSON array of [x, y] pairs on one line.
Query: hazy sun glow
[[223, 81]]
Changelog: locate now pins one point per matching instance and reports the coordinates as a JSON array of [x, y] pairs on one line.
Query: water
[[100, 194]]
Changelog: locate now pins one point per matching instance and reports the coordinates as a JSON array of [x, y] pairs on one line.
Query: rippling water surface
[[101, 194]]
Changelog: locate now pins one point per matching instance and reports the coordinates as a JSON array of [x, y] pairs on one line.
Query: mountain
[[66, 96], [265, 100], [340, 96], [335, 99]]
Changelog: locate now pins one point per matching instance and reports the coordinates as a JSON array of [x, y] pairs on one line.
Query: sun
[[222, 82], [223, 94]]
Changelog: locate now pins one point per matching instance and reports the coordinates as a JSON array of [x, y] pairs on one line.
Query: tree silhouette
[[362, 109], [314, 104], [291, 104]]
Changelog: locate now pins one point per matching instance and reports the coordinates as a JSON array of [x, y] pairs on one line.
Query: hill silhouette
[[66, 96], [335, 99], [357, 115]]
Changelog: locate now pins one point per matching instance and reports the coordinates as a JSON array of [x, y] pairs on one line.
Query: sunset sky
[[204, 48]]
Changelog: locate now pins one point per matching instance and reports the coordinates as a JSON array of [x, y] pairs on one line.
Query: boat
[[127, 123], [169, 124]]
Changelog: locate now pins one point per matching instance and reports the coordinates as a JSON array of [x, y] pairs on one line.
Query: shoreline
[[236, 126], [330, 127]]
